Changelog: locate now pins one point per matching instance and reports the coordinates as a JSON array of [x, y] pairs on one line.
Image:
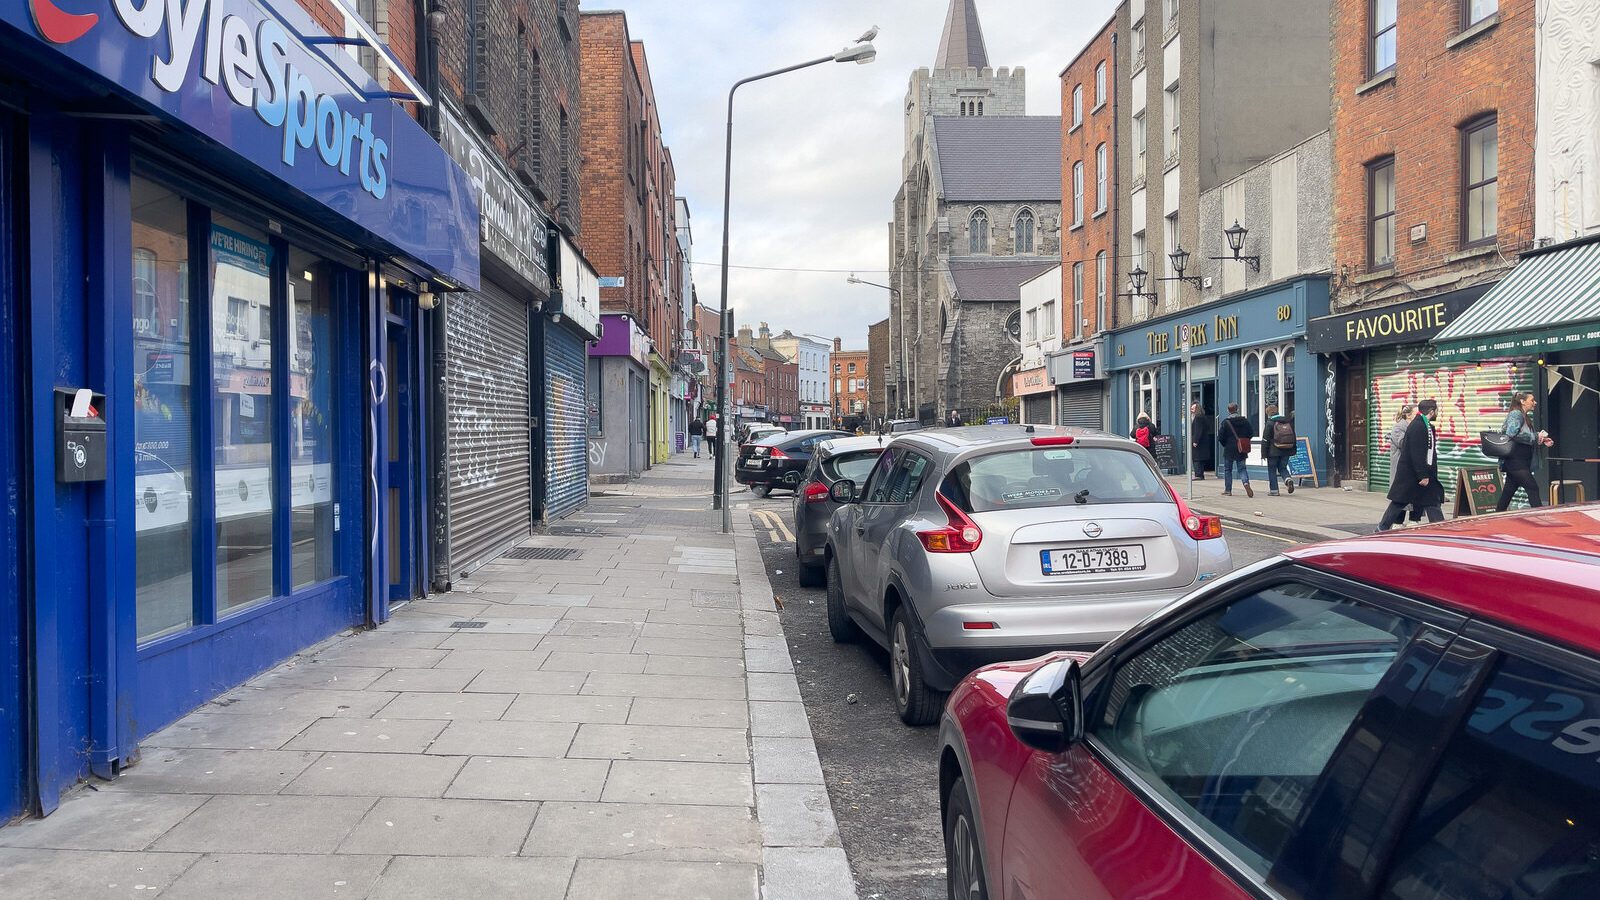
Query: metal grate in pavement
[[468, 624], [543, 553]]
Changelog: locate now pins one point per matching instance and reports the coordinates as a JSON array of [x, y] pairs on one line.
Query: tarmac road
[[882, 776]]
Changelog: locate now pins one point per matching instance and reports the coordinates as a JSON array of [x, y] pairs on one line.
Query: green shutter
[[1472, 397]]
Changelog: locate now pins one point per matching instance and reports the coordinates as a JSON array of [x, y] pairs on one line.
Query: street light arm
[[854, 280]]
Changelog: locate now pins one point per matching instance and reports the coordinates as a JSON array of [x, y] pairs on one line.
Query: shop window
[[162, 425], [242, 402], [312, 419], [1144, 395], [1268, 380]]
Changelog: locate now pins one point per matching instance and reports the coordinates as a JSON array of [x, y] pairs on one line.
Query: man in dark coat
[[1415, 480], [1200, 432]]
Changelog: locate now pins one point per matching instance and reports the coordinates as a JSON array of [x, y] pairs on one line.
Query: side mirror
[[1045, 711], [843, 491]]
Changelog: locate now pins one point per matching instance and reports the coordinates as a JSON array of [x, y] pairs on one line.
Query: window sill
[[1473, 31], [1075, 225], [1376, 81], [1170, 163], [1097, 107], [1099, 213], [1473, 252], [1374, 275], [1075, 128]]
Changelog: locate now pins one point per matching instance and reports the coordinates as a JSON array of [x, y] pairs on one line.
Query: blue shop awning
[[1549, 302]]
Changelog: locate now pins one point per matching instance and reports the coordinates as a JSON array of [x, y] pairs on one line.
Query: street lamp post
[[901, 383], [861, 52]]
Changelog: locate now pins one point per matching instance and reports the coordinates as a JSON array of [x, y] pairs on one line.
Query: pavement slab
[[646, 831], [651, 781], [261, 824], [377, 775], [277, 877], [530, 778], [662, 742], [433, 877], [193, 771], [89, 875], [420, 827], [619, 879]]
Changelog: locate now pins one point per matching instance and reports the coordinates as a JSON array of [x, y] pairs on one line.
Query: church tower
[[961, 82]]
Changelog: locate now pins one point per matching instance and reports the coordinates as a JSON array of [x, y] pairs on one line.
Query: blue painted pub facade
[[1248, 349], [215, 240]]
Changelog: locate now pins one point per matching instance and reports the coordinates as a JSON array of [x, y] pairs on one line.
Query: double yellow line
[[773, 522]]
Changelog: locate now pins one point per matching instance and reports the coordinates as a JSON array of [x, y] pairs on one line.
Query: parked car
[[1408, 715], [750, 432], [777, 460], [900, 426], [973, 545], [849, 458]]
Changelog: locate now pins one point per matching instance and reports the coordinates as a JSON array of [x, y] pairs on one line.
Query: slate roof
[[962, 45], [998, 158], [996, 279]]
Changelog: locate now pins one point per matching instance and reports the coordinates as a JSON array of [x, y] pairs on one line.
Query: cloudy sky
[[816, 152]]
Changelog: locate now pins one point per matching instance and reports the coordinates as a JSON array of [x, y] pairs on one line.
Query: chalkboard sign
[[1165, 451], [1300, 464], [1477, 489]]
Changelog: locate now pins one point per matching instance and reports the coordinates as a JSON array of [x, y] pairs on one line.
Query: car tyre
[[761, 490], [917, 703], [963, 864], [840, 626], [810, 576]]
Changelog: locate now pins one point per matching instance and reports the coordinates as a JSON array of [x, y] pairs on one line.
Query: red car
[[1409, 715]]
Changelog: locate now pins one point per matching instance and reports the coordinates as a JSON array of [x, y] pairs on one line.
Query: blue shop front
[[1248, 349], [216, 244]]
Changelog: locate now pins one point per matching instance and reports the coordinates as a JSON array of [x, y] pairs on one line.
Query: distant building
[[851, 385], [878, 370], [811, 358]]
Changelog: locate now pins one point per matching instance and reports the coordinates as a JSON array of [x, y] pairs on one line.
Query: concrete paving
[[1311, 513], [622, 724]]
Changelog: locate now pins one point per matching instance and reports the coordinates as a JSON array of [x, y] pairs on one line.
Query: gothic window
[[980, 107], [978, 232], [1024, 230]]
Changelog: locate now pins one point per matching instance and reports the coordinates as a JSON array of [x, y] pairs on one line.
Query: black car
[[847, 458], [778, 460]]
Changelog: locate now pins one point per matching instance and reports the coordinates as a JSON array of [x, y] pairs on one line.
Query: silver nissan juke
[[966, 546]]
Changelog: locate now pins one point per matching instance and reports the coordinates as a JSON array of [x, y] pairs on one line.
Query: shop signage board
[[1030, 381], [1165, 449], [578, 290], [1404, 323], [1083, 364], [254, 77], [1273, 315], [1301, 464], [512, 230], [1477, 489]]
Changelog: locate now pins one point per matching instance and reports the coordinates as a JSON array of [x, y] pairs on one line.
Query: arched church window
[[980, 107], [1024, 231], [978, 232]]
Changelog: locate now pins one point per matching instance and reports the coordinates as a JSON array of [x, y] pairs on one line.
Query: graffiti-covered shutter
[[566, 422], [1080, 405], [1472, 398], [487, 426]]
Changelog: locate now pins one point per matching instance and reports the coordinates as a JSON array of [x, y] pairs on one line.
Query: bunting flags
[[1573, 374]]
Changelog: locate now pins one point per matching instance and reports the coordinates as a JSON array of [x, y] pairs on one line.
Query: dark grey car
[[844, 458]]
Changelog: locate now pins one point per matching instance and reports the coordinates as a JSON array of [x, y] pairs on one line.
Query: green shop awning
[[1550, 301]]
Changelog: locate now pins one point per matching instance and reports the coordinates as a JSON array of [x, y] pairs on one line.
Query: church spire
[[961, 45]]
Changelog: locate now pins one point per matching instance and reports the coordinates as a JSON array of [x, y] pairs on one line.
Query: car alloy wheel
[[964, 869], [917, 703], [900, 664]]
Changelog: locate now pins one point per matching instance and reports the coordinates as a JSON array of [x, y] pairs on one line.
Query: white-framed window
[[1101, 178], [1030, 332], [1138, 39], [1266, 379], [1140, 141], [1173, 241], [1048, 312], [1077, 299], [1077, 106], [1475, 11], [1170, 110], [1024, 231], [1141, 305], [978, 232], [146, 314], [1383, 20], [1172, 10], [1102, 283], [1100, 85], [1077, 193]]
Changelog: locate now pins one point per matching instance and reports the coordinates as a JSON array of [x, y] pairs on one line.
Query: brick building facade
[[1089, 172], [878, 369]]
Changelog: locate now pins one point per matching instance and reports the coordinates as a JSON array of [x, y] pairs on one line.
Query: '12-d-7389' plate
[[1092, 560]]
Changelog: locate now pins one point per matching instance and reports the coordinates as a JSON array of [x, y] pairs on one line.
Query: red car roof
[[1536, 571]]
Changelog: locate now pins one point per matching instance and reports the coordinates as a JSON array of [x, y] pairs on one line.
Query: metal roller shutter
[[1080, 405], [1036, 409], [566, 422], [1472, 398], [487, 427]]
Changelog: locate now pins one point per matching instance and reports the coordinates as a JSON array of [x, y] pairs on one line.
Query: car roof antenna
[[1027, 429]]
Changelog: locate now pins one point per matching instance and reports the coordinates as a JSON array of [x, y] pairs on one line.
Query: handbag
[[1241, 445], [1494, 444]]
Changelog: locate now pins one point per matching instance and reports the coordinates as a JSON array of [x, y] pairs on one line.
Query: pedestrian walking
[[1525, 438], [1235, 434], [713, 428], [1415, 480], [953, 420], [1280, 441], [1144, 432], [1397, 439], [1200, 438], [697, 430]]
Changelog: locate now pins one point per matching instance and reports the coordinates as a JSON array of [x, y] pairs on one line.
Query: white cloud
[[816, 152]]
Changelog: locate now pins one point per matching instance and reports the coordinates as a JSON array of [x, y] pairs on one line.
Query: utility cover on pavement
[[543, 553]]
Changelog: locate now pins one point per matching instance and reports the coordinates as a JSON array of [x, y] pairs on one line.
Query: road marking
[[1273, 537], [773, 522]]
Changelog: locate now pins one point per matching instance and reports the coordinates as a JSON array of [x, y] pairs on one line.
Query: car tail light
[[1059, 440], [815, 492], [1201, 528], [960, 535], [979, 626], [775, 453]]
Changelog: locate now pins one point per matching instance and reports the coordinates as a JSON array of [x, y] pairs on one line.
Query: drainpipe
[[430, 22]]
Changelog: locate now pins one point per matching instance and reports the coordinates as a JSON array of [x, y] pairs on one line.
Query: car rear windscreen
[[854, 466], [1053, 476]]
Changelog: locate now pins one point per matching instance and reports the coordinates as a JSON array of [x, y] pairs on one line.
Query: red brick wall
[[1078, 144], [1416, 117], [840, 362], [609, 100]]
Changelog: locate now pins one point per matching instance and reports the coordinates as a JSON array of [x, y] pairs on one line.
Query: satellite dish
[[1014, 326]]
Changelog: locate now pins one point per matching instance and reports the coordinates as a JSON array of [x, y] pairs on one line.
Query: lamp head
[[861, 53], [1180, 260], [852, 279], [1235, 236], [1136, 279]]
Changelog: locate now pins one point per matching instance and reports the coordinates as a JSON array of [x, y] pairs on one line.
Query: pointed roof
[[962, 45]]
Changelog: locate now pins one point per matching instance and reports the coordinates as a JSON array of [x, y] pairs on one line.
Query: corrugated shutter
[[1472, 398], [487, 427], [1036, 409], [1080, 405], [566, 422]]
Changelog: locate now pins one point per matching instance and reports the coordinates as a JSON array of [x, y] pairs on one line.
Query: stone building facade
[[977, 213]]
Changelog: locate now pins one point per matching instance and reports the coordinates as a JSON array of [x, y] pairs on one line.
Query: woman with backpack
[[1144, 432], [1524, 439]]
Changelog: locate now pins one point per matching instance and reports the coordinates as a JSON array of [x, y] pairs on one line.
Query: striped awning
[[1550, 301]]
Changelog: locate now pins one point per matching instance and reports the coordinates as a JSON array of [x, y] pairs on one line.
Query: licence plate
[[754, 464], [1092, 560]]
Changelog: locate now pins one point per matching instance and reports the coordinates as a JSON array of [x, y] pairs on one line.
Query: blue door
[[13, 713], [401, 443]]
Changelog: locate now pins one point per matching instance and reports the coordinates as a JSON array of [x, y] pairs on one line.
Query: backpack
[[1283, 436], [1142, 435]]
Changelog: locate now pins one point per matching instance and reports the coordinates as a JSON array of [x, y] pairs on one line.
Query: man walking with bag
[[1416, 473], [1234, 434]]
